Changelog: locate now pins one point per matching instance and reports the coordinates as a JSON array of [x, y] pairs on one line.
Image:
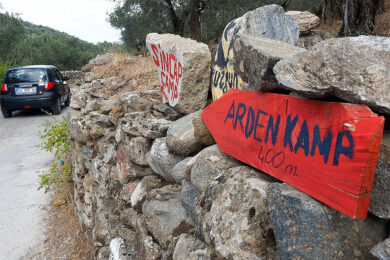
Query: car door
[[65, 85], [57, 83]]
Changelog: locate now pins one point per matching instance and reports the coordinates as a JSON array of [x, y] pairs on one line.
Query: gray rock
[[118, 250], [102, 59], [305, 20], [90, 76], [209, 163], [256, 58], [195, 60], [141, 100], [334, 67], [310, 39], [180, 137], [128, 170], [233, 215], [201, 132], [142, 189], [169, 112], [161, 160], [79, 98], [106, 106], [189, 198], [382, 250], [128, 190], [266, 22], [104, 253], [138, 147], [306, 229], [165, 217], [78, 130], [380, 194], [145, 124], [188, 247], [182, 169]]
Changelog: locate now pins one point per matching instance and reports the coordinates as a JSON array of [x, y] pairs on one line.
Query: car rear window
[[25, 75]]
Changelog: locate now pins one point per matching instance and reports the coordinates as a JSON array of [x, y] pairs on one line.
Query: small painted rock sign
[[327, 150]]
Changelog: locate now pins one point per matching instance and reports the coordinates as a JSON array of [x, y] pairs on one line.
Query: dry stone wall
[[150, 182]]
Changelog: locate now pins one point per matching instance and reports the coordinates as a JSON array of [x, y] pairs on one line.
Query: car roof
[[34, 67]]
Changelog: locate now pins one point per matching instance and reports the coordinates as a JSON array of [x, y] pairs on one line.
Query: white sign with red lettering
[[170, 71]]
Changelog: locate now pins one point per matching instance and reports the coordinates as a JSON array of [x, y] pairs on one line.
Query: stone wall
[[150, 182]]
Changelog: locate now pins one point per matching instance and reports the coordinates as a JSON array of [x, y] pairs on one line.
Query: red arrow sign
[[327, 150]]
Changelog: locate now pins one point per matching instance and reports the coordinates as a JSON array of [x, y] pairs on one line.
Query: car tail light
[[49, 85], [4, 88]]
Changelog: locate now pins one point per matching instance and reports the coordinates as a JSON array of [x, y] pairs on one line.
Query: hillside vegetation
[[24, 43]]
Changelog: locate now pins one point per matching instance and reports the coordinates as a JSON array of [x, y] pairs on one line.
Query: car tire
[[56, 109], [6, 113], [68, 99]]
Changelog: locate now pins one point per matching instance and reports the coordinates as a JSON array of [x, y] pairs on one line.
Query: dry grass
[[64, 238], [383, 21], [127, 68]]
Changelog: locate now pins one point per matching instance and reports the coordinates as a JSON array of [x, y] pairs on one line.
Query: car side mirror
[[66, 78]]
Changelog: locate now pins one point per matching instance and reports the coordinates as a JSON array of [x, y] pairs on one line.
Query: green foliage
[[54, 139], [4, 66], [137, 18], [12, 31], [24, 43]]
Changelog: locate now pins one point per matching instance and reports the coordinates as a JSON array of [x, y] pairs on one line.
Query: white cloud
[[86, 19]]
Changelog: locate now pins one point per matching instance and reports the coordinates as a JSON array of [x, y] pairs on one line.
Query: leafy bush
[[54, 138], [4, 66]]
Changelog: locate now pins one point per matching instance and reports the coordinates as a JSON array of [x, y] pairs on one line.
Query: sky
[[85, 19]]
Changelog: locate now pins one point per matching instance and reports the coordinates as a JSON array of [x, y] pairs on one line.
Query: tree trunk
[[178, 24], [196, 19], [359, 17]]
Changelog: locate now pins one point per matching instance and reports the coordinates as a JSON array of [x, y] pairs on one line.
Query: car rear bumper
[[47, 100]]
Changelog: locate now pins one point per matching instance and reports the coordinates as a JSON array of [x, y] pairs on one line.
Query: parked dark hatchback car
[[29, 87]]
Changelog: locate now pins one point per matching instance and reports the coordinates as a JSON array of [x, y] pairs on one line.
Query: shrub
[[54, 138], [4, 66]]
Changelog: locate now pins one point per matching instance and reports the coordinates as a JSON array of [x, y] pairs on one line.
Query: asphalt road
[[22, 206]]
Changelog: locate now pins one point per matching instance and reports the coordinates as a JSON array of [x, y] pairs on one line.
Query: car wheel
[[67, 101], [56, 109], [6, 113]]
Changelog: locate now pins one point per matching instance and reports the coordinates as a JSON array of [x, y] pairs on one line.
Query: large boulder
[[185, 79], [210, 163], [266, 22], [188, 247], [165, 217], [161, 160], [257, 58], [180, 137], [306, 229], [380, 194], [334, 67], [305, 20], [233, 215]]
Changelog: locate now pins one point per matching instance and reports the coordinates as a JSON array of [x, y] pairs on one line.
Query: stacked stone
[[150, 182]]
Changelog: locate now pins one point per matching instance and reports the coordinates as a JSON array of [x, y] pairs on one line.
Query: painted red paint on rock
[[327, 150]]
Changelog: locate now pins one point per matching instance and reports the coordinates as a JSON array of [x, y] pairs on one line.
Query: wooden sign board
[[327, 150]]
